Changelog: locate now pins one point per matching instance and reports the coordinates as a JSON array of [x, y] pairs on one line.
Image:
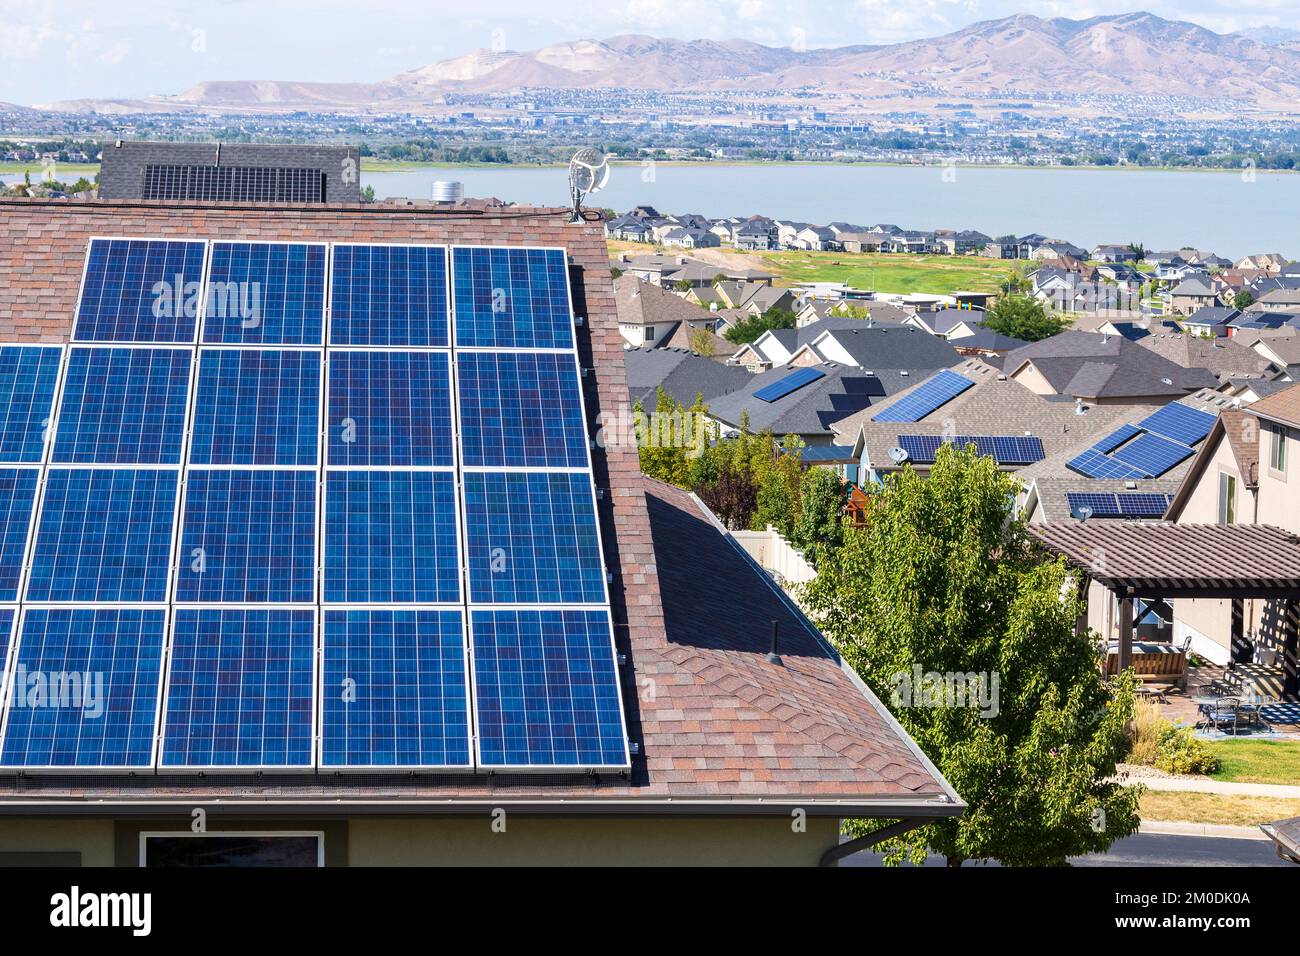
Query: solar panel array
[[1123, 504], [933, 393], [1006, 449], [187, 182], [1150, 448], [789, 383], [287, 506]]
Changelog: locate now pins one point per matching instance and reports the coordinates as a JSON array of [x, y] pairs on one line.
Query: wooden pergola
[[1161, 560]]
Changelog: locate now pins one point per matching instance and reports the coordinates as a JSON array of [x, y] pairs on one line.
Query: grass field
[[1242, 811], [64, 172], [1258, 761]]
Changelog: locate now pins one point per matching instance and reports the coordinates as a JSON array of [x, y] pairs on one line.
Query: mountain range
[[1137, 54]]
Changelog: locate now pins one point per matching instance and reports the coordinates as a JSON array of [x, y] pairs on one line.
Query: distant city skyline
[[76, 49]]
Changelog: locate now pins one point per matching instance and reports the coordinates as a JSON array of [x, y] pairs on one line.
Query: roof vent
[[1130, 485], [1166, 381], [1078, 406], [448, 191], [1001, 377]]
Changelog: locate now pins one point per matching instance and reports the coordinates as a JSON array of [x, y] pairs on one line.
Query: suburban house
[[1226, 358], [649, 314], [679, 372], [1191, 295], [1114, 252], [1100, 368], [949, 323], [796, 401], [1209, 321], [735, 739], [1278, 300]]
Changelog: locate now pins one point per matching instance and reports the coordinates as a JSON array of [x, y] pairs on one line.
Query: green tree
[[819, 531], [750, 329], [1022, 317], [665, 439], [944, 579], [1243, 299], [701, 342]]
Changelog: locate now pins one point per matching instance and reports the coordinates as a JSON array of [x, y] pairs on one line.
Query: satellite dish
[[588, 173], [899, 455], [1083, 512]]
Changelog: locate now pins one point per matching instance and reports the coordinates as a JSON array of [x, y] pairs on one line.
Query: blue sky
[[77, 48]]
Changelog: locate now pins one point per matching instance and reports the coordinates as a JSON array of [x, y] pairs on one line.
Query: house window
[[1227, 499], [232, 848], [649, 333], [1277, 449]]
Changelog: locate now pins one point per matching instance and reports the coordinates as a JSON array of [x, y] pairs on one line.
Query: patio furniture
[[1226, 710], [1163, 662]]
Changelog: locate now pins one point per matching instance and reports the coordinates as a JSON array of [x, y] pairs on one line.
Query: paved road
[[1154, 849]]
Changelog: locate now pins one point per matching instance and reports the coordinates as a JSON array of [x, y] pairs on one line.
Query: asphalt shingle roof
[[1091, 365]]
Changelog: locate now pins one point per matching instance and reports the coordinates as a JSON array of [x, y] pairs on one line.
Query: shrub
[[1178, 751], [1148, 726]]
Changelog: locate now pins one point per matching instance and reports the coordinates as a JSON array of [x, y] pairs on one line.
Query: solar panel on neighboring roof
[[391, 537], [240, 689], [265, 293], [395, 692], [123, 406], [1143, 505], [1097, 504], [1180, 423], [1093, 464], [389, 295], [207, 183], [29, 375], [511, 297], [789, 383], [1122, 504], [1116, 438], [122, 647], [521, 410], [531, 539], [1152, 454], [17, 504], [248, 537], [546, 690], [104, 534], [390, 408], [140, 290], [1007, 449], [256, 407], [934, 392]]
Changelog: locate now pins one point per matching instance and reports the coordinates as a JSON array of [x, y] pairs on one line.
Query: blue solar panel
[[104, 534], [390, 537], [1116, 438], [1099, 504], [1093, 464], [789, 383], [532, 539], [248, 537], [123, 406], [546, 689], [240, 689], [1007, 449], [521, 410], [1152, 454], [934, 392], [1140, 505], [256, 407], [394, 689], [29, 375], [1180, 423], [511, 297], [265, 293], [17, 502], [389, 295], [140, 290], [108, 662], [390, 408]]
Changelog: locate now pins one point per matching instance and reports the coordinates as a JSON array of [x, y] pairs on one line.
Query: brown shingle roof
[[1283, 406], [722, 727]]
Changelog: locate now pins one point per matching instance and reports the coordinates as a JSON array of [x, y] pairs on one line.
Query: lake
[[1225, 212]]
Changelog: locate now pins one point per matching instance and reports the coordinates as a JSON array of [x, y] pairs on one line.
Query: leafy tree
[[750, 329], [1022, 317], [943, 578], [666, 439], [701, 342], [819, 530], [683, 285], [1243, 299]]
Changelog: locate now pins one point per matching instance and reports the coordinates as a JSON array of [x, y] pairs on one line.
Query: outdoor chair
[[1226, 710]]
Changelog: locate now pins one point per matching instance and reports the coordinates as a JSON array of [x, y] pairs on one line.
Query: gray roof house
[[681, 373], [826, 392]]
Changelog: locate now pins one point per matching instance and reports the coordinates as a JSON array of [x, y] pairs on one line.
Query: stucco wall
[[93, 839]]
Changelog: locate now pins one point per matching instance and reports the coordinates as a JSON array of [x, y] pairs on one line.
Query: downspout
[[841, 850]]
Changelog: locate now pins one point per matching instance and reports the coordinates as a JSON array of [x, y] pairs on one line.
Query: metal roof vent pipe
[[772, 656], [446, 192]]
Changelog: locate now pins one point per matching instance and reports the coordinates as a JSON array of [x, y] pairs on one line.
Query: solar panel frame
[[926, 398], [30, 451], [1116, 438], [198, 430], [566, 341], [323, 721], [478, 671], [65, 429], [335, 339], [1180, 423], [177, 339], [1141, 504], [789, 383], [442, 437], [153, 701], [307, 336], [1094, 464], [922, 449], [1153, 454]]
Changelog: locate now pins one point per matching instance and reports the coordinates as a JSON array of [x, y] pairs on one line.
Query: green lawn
[[939, 275], [1258, 761], [64, 172]]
